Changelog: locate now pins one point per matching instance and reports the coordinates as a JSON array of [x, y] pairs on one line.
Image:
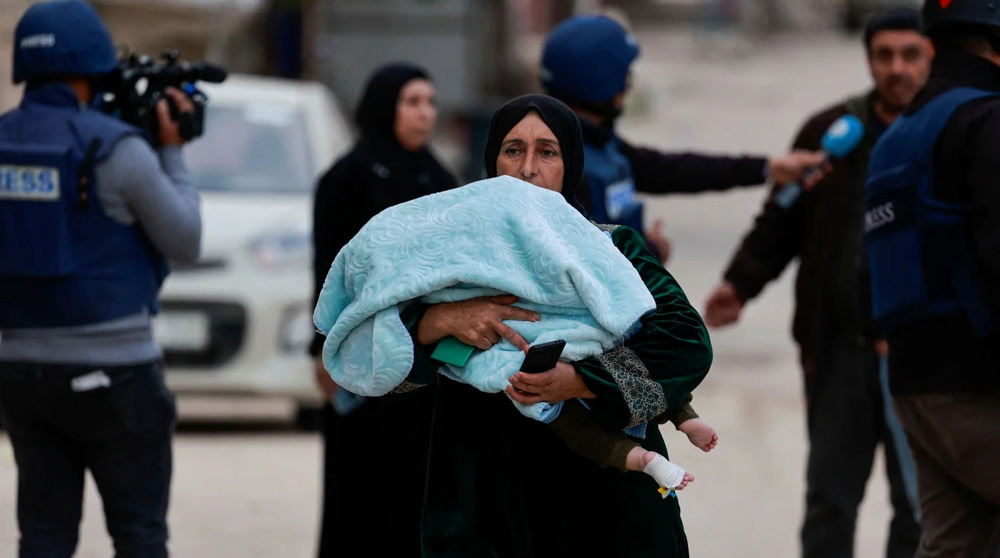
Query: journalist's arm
[[136, 185]]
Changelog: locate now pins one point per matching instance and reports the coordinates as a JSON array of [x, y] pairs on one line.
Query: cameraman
[[89, 214]]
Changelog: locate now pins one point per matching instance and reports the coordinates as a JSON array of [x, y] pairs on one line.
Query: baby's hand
[[700, 433]]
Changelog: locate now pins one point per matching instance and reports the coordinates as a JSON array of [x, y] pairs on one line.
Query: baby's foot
[[668, 475], [688, 477], [700, 433]]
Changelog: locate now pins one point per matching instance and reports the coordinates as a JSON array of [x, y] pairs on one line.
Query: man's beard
[[895, 106]]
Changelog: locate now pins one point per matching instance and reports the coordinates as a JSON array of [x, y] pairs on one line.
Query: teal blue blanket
[[494, 236]]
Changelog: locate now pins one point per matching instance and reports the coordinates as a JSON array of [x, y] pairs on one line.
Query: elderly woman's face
[[530, 151]]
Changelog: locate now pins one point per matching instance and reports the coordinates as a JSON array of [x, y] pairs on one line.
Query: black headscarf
[[376, 113], [377, 173], [405, 174], [564, 125]]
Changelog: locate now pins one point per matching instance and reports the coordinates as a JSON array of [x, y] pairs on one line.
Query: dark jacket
[[372, 177], [656, 172], [822, 230], [943, 354]]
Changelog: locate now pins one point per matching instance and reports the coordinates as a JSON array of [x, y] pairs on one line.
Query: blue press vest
[[63, 262], [922, 260], [612, 190]]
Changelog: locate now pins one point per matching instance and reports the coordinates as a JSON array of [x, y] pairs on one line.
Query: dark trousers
[[846, 423], [115, 421], [956, 445], [374, 471]]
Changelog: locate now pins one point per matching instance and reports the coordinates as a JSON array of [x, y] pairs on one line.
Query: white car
[[238, 322]]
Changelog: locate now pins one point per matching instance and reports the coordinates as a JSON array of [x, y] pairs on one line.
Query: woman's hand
[[559, 384], [477, 322], [323, 380]]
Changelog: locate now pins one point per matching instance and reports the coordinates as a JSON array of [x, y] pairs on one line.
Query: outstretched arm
[[657, 172]]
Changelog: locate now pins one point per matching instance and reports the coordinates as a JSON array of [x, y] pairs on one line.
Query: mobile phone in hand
[[543, 357]]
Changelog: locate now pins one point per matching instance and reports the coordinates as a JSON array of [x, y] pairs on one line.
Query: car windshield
[[254, 148]]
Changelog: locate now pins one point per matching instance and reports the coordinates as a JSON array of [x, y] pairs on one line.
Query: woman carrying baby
[[502, 484]]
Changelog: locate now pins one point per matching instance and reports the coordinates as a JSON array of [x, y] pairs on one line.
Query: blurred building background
[[715, 75], [479, 51]]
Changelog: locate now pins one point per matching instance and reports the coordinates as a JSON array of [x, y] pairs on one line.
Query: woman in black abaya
[[375, 449]]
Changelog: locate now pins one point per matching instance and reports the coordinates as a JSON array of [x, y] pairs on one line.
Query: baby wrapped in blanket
[[496, 236]]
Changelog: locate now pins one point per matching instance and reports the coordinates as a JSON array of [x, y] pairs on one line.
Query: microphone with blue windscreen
[[840, 139]]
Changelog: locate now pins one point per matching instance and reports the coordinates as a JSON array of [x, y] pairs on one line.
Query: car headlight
[[278, 251], [297, 329]]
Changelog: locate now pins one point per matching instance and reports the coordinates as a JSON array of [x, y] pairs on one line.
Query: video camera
[[137, 85]]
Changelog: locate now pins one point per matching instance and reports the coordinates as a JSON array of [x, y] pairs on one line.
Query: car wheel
[[309, 418]]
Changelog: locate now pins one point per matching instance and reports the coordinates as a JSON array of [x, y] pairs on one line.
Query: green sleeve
[[679, 416], [656, 369]]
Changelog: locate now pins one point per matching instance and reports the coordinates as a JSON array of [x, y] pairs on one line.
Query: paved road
[[255, 493]]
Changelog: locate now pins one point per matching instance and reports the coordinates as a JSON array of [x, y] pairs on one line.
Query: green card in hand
[[452, 351]]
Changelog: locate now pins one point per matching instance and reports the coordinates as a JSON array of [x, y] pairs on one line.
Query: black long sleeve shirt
[[659, 172], [656, 172], [822, 230]]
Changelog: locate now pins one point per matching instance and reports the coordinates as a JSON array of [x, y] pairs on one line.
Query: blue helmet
[[62, 38], [586, 59]]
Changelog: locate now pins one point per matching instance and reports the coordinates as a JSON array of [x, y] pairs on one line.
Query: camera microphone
[[204, 71]]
